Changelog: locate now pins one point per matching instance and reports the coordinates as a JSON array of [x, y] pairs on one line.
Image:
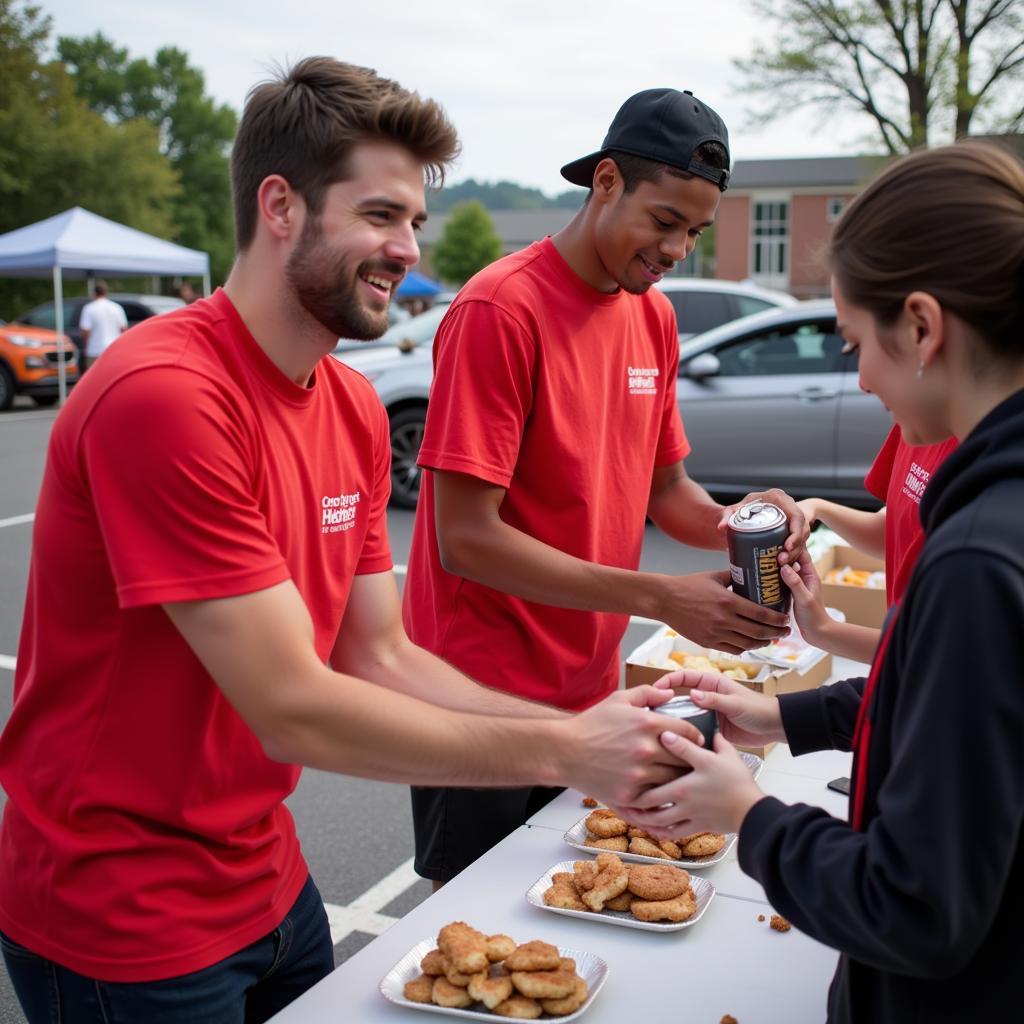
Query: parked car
[[702, 303], [29, 364], [768, 400], [408, 332], [136, 309]]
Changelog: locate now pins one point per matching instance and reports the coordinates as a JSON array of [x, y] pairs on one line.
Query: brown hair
[[305, 123], [946, 221]]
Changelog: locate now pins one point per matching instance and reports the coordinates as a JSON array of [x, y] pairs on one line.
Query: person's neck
[[293, 341], [971, 407], [576, 246]]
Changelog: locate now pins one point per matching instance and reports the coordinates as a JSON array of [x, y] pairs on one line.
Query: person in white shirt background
[[101, 322]]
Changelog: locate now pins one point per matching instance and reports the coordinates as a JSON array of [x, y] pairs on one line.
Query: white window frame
[[776, 242]]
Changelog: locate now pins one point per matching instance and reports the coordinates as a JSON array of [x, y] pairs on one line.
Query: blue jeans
[[250, 986]]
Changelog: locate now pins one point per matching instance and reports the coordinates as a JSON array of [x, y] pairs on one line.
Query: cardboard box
[[864, 606], [770, 680]]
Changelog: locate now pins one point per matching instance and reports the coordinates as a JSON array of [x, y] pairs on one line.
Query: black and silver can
[[704, 719], [757, 533]]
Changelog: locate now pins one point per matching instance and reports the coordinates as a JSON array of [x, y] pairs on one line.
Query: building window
[[771, 242], [833, 208]]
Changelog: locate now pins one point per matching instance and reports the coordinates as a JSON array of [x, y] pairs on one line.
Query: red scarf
[[862, 730]]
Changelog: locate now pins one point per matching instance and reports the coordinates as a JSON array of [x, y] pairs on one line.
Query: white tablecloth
[[728, 962]]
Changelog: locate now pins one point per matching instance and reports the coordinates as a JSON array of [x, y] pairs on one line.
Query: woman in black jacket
[[922, 890]]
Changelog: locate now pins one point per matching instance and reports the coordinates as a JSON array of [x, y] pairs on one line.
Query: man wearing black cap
[[552, 432]]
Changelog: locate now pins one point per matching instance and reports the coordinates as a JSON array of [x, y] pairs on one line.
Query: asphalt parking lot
[[356, 834]]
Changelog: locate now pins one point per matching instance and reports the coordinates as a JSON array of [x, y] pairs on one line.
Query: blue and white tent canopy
[[83, 244]]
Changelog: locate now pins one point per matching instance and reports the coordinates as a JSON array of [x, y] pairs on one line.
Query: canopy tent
[[415, 285], [80, 244]]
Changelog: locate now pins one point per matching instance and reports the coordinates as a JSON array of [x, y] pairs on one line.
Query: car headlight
[[25, 341], [35, 363]]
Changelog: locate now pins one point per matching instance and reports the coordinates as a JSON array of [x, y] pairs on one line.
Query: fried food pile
[[510, 980], [710, 662], [607, 831], [650, 892]]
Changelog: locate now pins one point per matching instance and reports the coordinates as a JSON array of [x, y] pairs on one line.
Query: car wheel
[[406, 436], [6, 388], [45, 401]]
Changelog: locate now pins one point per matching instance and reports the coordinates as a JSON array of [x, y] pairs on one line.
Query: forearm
[[862, 530], [684, 511], [408, 669], [347, 725], [846, 640], [501, 557]]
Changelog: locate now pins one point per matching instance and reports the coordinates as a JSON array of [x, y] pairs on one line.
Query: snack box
[[808, 671], [864, 606]]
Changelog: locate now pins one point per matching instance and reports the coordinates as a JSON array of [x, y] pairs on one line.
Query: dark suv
[[136, 308]]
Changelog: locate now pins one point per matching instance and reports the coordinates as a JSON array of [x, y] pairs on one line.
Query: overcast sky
[[530, 84]]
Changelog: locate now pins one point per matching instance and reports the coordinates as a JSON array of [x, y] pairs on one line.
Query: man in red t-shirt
[[215, 495], [552, 432], [899, 477]]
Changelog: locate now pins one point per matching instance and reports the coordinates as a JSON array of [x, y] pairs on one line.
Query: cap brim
[[581, 172]]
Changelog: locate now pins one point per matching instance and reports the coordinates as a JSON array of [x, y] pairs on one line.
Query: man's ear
[[280, 207], [608, 183], [924, 315]]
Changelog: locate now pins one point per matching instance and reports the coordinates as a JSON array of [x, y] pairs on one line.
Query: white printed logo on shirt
[[338, 512], [643, 380], [915, 483]]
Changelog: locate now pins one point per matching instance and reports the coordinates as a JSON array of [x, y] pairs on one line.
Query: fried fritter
[[433, 963], [519, 1007], [584, 873], [534, 956], [454, 977], [610, 881], [563, 896], [606, 824], [544, 984], [419, 990], [681, 908], [701, 844], [589, 801], [571, 1003], [620, 902], [779, 923], [657, 881], [672, 849], [617, 844], [499, 946], [645, 848], [447, 994], [490, 991], [464, 946]]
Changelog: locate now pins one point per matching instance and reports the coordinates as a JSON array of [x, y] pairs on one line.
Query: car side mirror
[[703, 366]]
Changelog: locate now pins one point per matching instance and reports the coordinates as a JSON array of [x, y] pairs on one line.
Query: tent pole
[[206, 285], [58, 312]]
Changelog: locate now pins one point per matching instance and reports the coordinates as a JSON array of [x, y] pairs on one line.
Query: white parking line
[[18, 520], [363, 913]]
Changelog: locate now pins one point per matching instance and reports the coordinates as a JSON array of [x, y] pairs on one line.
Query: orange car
[[29, 358]]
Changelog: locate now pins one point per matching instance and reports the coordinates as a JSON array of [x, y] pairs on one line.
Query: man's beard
[[328, 290]]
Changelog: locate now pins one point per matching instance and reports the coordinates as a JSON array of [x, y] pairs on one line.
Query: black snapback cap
[[663, 125]]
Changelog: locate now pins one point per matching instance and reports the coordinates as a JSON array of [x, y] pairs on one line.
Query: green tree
[[467, 244], [58, 153], [916, 69], [195, 132]]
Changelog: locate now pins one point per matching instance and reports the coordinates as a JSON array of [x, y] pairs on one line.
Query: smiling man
[[211, 603], [552, 432]]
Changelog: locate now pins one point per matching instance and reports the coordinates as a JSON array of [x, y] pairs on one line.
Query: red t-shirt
[[899, 476], [144, 835], [566, 397]]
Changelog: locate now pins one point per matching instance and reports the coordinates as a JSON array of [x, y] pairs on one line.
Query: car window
[[747, 305], [43, 316], [803, 348], [133, 311], [699, 311]]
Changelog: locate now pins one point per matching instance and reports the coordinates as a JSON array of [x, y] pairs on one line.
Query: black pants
[[454, 827]]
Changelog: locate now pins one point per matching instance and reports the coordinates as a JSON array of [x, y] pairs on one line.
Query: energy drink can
[[756, 533], [704, 719]]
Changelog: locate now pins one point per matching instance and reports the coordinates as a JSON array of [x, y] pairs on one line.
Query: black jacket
[[926, 903]]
